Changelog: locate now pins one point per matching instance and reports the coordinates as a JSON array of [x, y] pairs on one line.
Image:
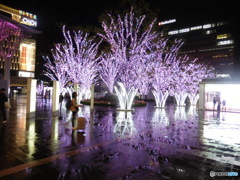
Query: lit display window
[[173, 32], [25, 74], [226, 42], [27, 56], [223, 36], [210, 31], [206, 26], [220, 56], [224, 94], [196, 28], [199, 27], [184, 30], [23, 58]]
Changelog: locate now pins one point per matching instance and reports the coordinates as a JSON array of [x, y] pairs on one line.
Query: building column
[[7, 64], [55, 98], [31, 97], [201, 96]]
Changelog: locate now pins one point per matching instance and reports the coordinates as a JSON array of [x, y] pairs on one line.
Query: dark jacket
[[3, 99]]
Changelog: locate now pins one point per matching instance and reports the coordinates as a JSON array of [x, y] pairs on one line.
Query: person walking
[[60, 100], [218, 105], [74, 101], [74, 108], [214, 102], [223, 105], [3, 99]]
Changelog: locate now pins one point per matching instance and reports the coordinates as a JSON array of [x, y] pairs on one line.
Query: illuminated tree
[[182, 80], [187, 80], [130, 44], [165, 66], [199, 72], [109, 70], [176, 75], [81, 57], [56, 70]]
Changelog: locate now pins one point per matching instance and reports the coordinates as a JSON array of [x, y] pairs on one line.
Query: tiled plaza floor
[[148, 143]]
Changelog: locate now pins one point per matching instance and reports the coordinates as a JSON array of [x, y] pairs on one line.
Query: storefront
[[220, 96]]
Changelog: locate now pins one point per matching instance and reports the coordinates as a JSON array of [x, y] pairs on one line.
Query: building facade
[[23, 59], [213, 42]]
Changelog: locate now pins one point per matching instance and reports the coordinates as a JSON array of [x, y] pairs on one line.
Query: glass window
[[223, 36], [226, 42]]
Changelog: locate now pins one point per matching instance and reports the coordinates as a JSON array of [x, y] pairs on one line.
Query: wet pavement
[[147, 143]]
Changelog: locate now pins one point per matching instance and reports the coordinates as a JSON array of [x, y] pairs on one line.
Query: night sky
[[83, 13]]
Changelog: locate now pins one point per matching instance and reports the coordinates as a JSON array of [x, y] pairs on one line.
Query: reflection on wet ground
[[170, 143]]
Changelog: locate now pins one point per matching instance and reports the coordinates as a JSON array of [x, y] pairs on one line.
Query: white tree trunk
[[180, 98], [84, 93], [125, 97], [160, 98], [193, 99]]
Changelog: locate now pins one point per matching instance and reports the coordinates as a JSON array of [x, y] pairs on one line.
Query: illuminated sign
[[29, 22], [25, 74], [167, 22], [26, 14], [28, 18]]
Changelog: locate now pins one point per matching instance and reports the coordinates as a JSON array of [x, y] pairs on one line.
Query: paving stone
[[148, 143]]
